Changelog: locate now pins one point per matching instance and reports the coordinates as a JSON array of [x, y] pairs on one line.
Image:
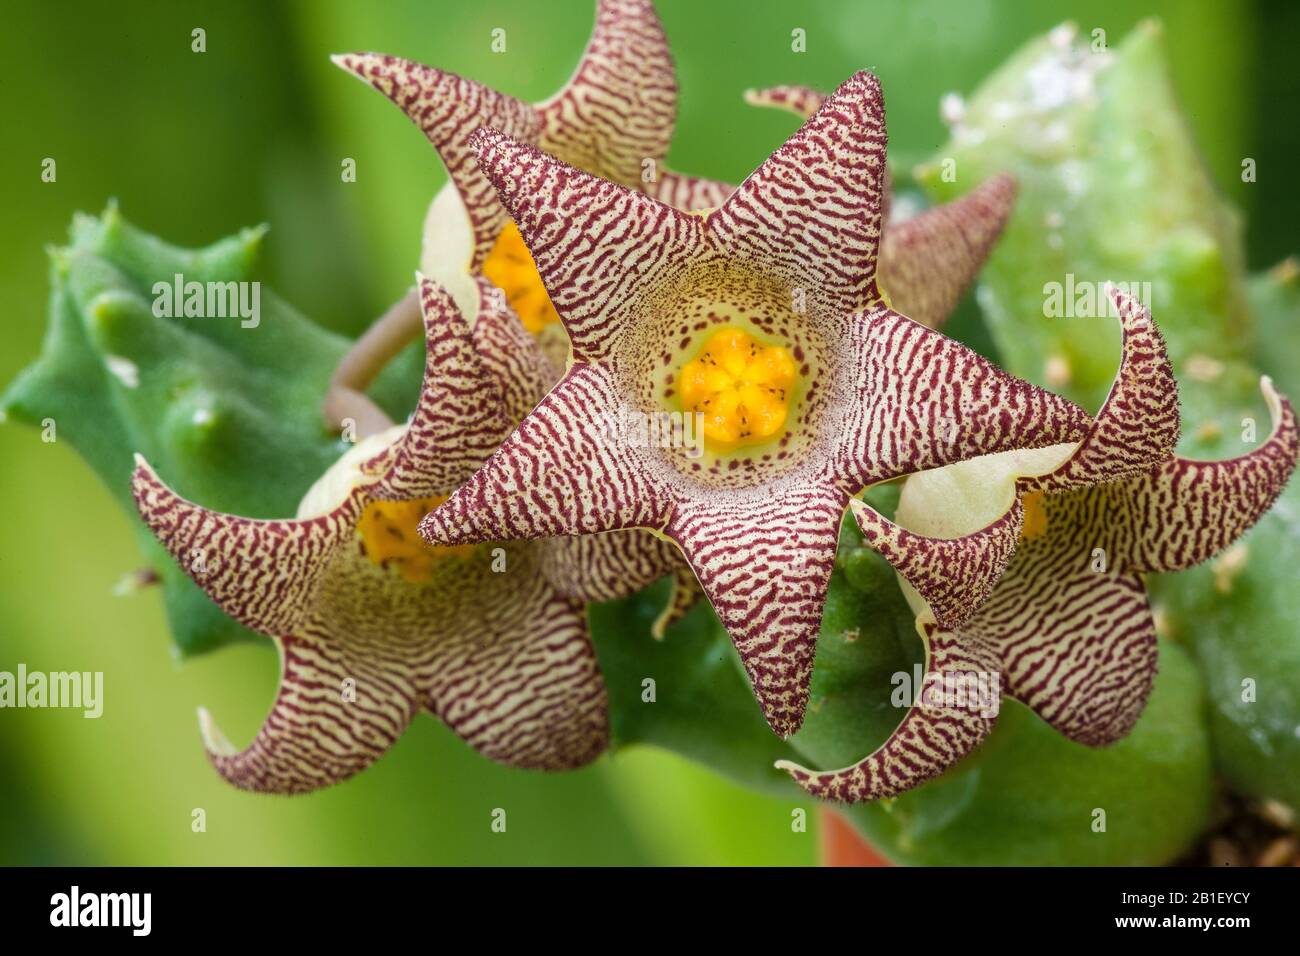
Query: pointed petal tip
[[214, 741]]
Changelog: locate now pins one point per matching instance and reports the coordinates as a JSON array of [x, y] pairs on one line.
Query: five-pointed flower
[[372, 625], [1067, 630], [786, 268]]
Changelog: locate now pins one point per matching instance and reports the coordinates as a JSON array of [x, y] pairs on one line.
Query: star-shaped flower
[[614, 118], [372, 625], [785, 267], [1067, 630]]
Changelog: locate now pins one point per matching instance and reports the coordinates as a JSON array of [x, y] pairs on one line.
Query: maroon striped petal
[[685, 593], [802, 101], [955, 576], [955, 709], [263, 574], [459, 420], [922, 401], [559, 473], [515, 673], [1074, 633], [605, 567], [448, 108], [522, 371], [764, 561], [501, 658], [810, 216], [689, 193], [928, 261], [1183, 512], [595, 244], [1138, 425], [619, 108], [316, 736]]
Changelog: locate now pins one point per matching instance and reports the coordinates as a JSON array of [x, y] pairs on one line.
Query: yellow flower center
[[511, 269], [741, 386], [1035, 516], [387, 530]]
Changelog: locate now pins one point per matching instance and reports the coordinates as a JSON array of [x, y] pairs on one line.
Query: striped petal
[[502, 659], [263, 574], [954, 576], [1183, 512], [448, 108], [689, 193], [521, 370], [595, 244], [954, 710], [802, 101], [765, 564], [1138, 425], [605, 567], [1073, 629], [618, 109], [460, 418], [924, 401], [559, 473], [927, 262], [811, 214]]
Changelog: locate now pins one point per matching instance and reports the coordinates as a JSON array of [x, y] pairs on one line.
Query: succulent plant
[[794, 321]]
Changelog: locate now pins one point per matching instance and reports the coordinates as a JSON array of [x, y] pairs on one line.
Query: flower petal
[[927, 401], [496, 654], [618, 109], [690, 193], [803, 101], [927, 262], [955, 576], [686, 591], [459, 419], [1184, 512], [448, 108], [516, 676], [317, 733], [934, 735], [764, 561], [1138, 425], [559, 473], [595, 244], [261, 573], [1071, 626], [811, 214], [512, 356], [608, 566]]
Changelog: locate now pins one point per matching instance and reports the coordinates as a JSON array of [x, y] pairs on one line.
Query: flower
[[1067, 630], [926, 260], [615, 118], [372, 626], [789, 259]]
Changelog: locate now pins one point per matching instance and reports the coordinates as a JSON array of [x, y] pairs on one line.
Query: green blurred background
[[195, 146]]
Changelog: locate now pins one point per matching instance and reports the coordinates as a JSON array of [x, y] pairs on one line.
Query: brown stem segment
[[346, 398]]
